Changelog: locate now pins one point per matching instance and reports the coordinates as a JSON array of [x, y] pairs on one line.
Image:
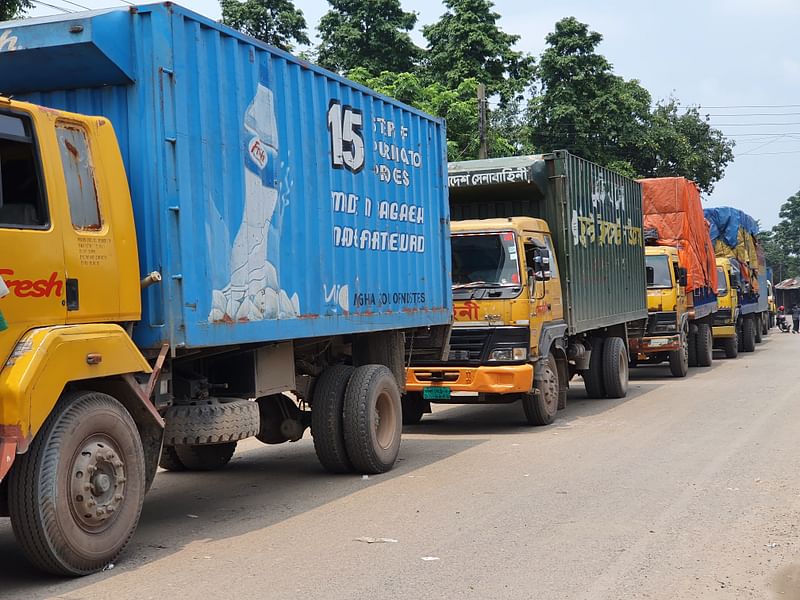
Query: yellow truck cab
[[495, 285], [548, 282], [726, 320], [667, 333]]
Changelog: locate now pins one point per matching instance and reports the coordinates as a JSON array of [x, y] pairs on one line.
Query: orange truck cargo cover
[[672, 207]]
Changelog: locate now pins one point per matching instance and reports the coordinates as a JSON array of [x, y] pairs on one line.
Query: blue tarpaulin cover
[[726, 222]]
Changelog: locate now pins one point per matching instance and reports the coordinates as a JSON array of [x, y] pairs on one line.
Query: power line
[[62, 9], [75, 4]]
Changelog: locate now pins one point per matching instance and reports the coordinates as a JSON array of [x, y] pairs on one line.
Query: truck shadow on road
[[261, 487], [508, 419]]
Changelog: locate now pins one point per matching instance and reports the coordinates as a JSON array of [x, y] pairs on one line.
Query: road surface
[[685, 489]]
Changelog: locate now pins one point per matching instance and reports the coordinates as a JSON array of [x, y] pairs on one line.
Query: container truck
[[204, 239], [548, 282], [681, 278], [735, 237]]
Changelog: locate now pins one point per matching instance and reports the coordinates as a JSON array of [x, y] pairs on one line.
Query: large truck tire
[[212, 422], [615, 368], [704, 345], [740, 336], [758, 328], [731, 347], [327, 418], [413, 408], [169, 460], [541, 407], [691, 349], [766, 319], [748, 335], [373, 419], [679, 359], [593, 377], [205, 457], [76, 495]]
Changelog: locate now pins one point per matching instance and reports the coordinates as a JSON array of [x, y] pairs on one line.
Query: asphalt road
[[685, 489]]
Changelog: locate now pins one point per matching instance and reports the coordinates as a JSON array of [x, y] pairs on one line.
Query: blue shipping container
[[278, 200]]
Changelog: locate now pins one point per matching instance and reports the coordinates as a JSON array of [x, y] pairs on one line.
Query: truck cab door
[[31, 250], [545, 296], [91, 285]]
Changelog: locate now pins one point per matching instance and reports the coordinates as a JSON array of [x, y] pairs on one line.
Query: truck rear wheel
[[758, 329], [593, 377], [327, 418], [205, 457], [748, 335], [541, 407], [731, 347], [413, 408], [76, 495], [679, 359], [615, 368], [704, 344], [373, 419]]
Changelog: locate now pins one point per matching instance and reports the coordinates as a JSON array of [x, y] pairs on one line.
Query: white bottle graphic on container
[[254, 292]]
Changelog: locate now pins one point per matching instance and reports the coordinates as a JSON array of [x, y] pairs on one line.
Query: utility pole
[[483, 149]]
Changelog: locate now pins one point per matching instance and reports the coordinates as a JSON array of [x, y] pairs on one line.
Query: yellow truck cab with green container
[[548, 282]]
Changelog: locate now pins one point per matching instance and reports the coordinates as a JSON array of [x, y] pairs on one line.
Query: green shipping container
[[595, 218]]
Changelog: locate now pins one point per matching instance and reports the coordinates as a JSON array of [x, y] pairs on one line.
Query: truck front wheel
[[541, 407], [679, 359], [731, 347], [373, 419], [76, 496], [615, 368]]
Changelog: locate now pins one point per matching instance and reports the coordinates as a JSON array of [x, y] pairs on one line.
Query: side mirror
[[682, 276], [651, 275]]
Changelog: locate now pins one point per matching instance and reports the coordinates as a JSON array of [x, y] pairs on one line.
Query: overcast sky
[[739, 59]]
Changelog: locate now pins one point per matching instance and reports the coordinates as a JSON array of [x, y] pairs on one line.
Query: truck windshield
[[662, 279], [485, 260], [722, 285]]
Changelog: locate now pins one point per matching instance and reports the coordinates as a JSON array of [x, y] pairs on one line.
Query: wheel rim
[[550, 393], [97, 483], [385, 420]]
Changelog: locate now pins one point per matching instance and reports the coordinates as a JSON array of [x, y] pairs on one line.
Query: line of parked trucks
[[205, 239]]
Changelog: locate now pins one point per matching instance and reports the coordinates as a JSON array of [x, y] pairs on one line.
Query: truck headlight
[[509, 354]]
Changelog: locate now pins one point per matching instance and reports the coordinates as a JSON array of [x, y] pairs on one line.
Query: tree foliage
[[587, 109], [14, 9], [782, 243], [684, 144], [371, 34], [458, 106], [466, 43], [275, 22]]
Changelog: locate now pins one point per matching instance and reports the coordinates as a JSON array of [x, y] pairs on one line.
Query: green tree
[[582, 106], [14, 9], [458, 106], [587, 109], [685, 144], [372, 34], [782, 242], [466, 43], [275, 22]]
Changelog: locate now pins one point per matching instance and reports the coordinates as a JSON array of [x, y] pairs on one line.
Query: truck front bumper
[[658, 343], [723, 331], [505, 379]]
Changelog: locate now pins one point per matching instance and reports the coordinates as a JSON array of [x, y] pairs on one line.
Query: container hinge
[[177, 277]]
